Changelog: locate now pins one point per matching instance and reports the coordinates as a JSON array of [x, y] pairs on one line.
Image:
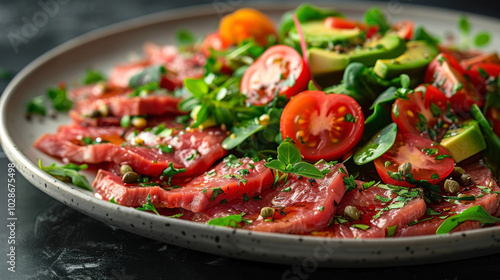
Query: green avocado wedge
[[465, 141], [413, 62]]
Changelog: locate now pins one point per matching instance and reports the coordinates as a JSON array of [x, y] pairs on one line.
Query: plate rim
[[15, 154]]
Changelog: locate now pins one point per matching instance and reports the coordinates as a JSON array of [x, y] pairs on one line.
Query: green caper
[[457, 171], [466, 180], [95, 114], [125, 168], [405, 168], [352, 213], [103, 110], [267, 212], [451, 186], [130, 177]]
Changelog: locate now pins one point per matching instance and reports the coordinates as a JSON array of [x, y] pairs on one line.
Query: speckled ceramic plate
[[103, 48]]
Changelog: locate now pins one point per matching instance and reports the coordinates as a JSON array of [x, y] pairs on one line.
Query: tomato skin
[[407, 111], [341, 23], [404, 29], [269, 73], [316, 123], [244, 24], [213, 41], [409, 148], [445, 73]]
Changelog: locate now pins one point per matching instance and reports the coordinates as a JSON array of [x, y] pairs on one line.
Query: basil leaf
[[475, 213], [288, 153], [482, 39], [149, 75], [374, 16], [464, 24], [241, 132], [276, 165], [377, 146], [307, 170], [70, 172], [36, 106], [197, 87]]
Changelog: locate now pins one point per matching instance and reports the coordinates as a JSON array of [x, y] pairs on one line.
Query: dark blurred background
[[57, 242]]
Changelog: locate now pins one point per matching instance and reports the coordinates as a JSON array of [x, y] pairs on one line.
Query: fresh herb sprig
[[290, 161], [68, 172], [148, 206], [229, 221], [479, 40]]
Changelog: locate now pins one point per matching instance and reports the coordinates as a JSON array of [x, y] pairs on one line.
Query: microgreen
[[68, 172], [92, 77], [475, 213], [148, 206], [290, 161]]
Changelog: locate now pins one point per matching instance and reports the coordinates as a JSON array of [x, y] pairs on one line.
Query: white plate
[[103, 48]]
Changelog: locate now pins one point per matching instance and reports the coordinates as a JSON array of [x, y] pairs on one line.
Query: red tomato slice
[[214, 42], [468, 63], [341, 23], [477, 79], [404, 29], [421, 153], [280, 69], [445, 73], [409, 114], [323, 126]]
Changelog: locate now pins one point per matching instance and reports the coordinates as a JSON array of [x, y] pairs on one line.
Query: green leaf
[[149, 75], [240, 133], [170, 171], [475, 213], [276, 165], [367, 185], [391, 230], [148, 206], [36, 106], [185, 37], [197, 87], [307, 170], [375, 16], [405, 81], [69, 171], [92, 77], [59, 100], [464, 24], [482, 39], [360, 226], [349, 183], [228, 221], [377, 146], [288, 153]]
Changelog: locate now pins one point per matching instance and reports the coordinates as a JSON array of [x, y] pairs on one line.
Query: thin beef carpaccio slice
[[178, 66], [147, 153], [380, 207], [117, 103], [227, 181], [301, 205], [485, 197]]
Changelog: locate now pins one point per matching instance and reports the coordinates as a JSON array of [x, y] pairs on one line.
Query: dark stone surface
[[57, 242]]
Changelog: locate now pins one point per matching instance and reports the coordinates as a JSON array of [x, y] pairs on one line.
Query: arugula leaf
[[68, 171], [92, 77], [148, 206], [149, 75], [36, 106], [475, 213], [228, 221]]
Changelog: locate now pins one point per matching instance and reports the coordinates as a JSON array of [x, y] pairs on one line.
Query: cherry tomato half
[[280, 69], [493, 115], [342, 23], [244, 24], [421, 153], [214, 42], [322, 126], [445, 73], [422, 114], [475, 75], [404, 29]]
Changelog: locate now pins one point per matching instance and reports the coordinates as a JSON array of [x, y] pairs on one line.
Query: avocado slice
[[317, 34], [413, 62], [328, 65], [465, 141]]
